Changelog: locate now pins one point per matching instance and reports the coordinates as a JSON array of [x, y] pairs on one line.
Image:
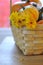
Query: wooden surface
[[11, 55]]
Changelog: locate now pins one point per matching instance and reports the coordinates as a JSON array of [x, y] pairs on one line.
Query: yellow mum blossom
[[25, 18], [31, 24], [14, 19], [14, 16], [22, 18]]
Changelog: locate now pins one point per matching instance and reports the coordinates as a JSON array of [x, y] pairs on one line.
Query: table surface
[[11, 55]]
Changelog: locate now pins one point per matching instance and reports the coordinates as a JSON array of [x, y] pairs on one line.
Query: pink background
[[5, 12]]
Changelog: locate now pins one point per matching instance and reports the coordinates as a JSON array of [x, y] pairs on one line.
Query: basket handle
[[10, 11], [10, 6]]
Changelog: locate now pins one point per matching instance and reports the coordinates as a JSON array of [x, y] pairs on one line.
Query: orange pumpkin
[[40, 22]]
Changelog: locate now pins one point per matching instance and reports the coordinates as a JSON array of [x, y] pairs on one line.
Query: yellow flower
[[14, 18], [31, 24], [25, 18]]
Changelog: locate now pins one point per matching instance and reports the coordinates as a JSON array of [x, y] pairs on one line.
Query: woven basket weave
[[29, 41]]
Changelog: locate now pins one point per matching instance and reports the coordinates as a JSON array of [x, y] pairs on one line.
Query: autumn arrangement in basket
[[25, 18]]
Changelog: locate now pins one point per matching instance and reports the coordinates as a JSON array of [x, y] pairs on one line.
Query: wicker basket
[[29, 41]]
